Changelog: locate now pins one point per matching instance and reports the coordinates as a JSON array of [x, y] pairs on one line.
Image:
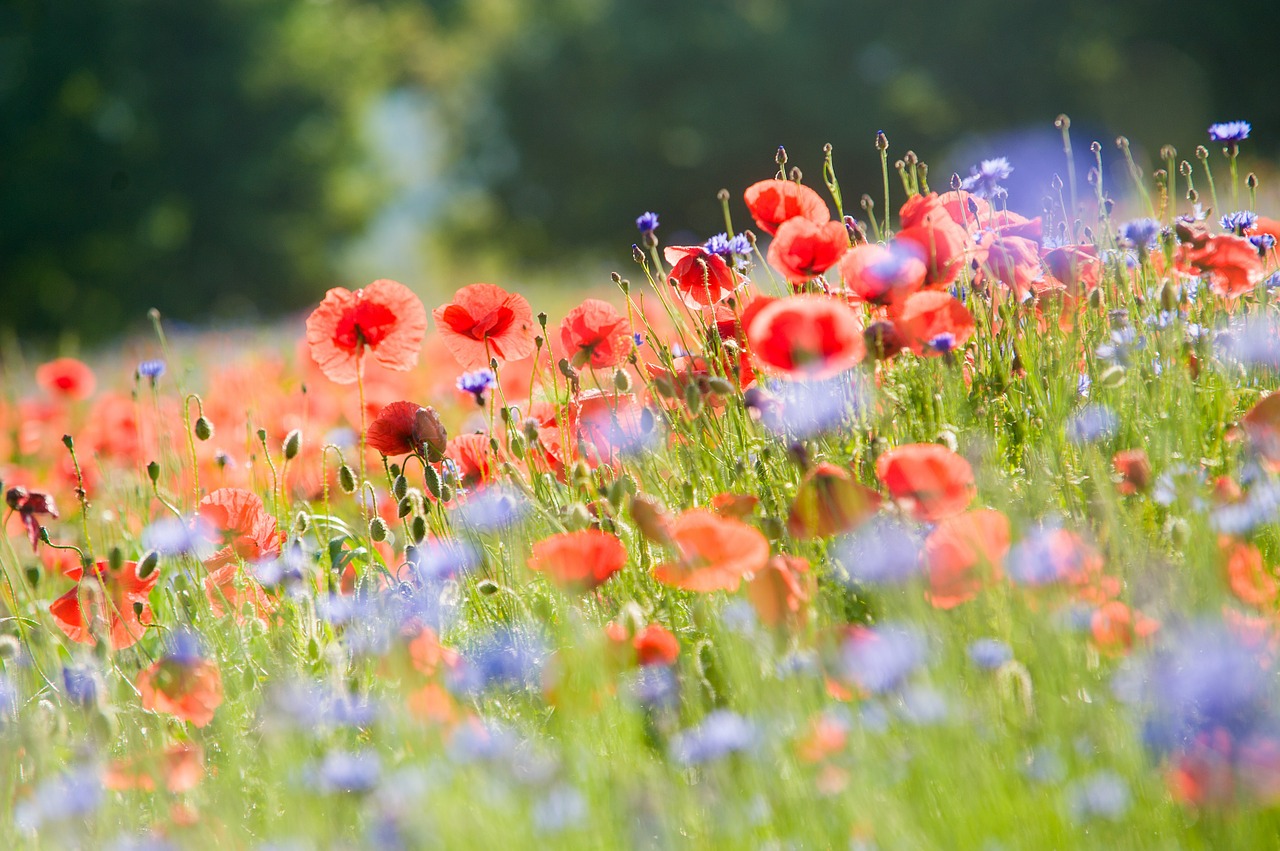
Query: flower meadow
[[922, 524]]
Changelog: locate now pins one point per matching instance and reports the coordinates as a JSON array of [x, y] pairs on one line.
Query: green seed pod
[[516, 445], [33, 575], [301, 523], [488, 587], [292, 444], [400, 486], [346, 479], [115, 559], [10, 647], [137, 608], [148, 564], [622, 381], [203, 428], [378, 529]]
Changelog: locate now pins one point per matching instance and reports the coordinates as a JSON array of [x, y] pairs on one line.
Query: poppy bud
[[780, 157], [650, 518], [346, 479], [720, 386], [137, 609], [1095, 297], [301, 523], [530, 430], [400, 486], [576, 517], [432, 479], [10, 647], [203, 428], [566, 369], [1169, 296], [418, 529], [515, 444], [115, 559], [693, 398], [488, 587], [637, 254], [405, 507], [1251, 180], [153, 472], [148, 564], [1178, 530], [262, 436], [292, 444], [1112, 376], [68, 442], [446, 493], [33, 575], [378, 529], [622, 381], [882, 141]]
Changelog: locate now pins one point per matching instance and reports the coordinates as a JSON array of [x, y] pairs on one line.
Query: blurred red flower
[[474, 456], [385, 319], [930, 481], [1232, 263], [1134, 469], [1247, 574], [713, 552], [594, 334], [829, 502], [933, 322], [810, 336], [782, 590], [883, 274], [578, 560], [957, 548], [114, 599], [483, 322], [803, 249], [187, 689], [67, 378], [180, 767], [237, 519], [773, 202], [656, 645]]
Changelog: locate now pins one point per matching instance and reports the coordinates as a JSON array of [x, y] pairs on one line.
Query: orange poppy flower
[[929, 480], [1115, 627], [883, 274], [1134, 469], [428, 655], [111, 597], [385, 320], [1247, 574], [933, 322], [773, 202], [957, 547], [737, 505], [583, 559], [67, 378], [180, 768], [189, 689], [782, 590], [406, 427], [811, 336], [656, 645], [714, 552], [803, 249], [700, 277], [483, 322], [829, 502], [594, 334], [241, 523]]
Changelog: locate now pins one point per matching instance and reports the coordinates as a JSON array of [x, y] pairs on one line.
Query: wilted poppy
[[773, 202], [30, 506], [957, 548], [803, 249], [883, 274], [700, 277], [594, 334], [385, 320], [656, 645], [829, 502], [240, 522], [811, 336], [183, 684], [483, 322], [1247, 574], [407, 427], [713, 552], [929, 480], [582, 559], [67, 378], [114, 601], [934, 323], [782, 590]]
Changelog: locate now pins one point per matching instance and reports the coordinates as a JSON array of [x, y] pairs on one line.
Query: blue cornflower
[[347, 771], [1231, 132], [1264, 242], [8, 697], [505, 658], [74, 794], [80, 685], [881, 658], [171, 536], [476, 383], [182, 646], [944, 343], [989, 653], [638, 338], [1140, 233], [884, 551], [1239, 221], [984, 179], [655, 687], [647, 223], [1091, 424], [151, 369], [720, 734], [489, 510], [1101, 795], [562, 808]]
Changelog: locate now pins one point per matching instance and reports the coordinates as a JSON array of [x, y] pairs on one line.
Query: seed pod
[[346, 479], [203, 428], [301, 523], [292, 444], [516, 445], [693, 398], [446, 493], [622, 381], [115, 559], [488, 587], [378, 529]]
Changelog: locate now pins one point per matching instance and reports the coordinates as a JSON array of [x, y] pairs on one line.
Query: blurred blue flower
[[8, 697], [314, 707], [151, 369], [1239, 221], [507, 658], [654, 687], [74, 794], [348, 772], [721, 733], [989, 653], [922, 705], [183, 647], [562, 808], [1091, 424], [81, 685], [1104, 794], [1250, 341], [489, 510], [171, 536], [881, 658], [802, 409], [884, 551], [484, 741]]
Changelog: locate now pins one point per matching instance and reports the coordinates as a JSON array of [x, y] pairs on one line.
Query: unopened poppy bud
[[203, 428], [115, 559], [1184, 168], [68, 442], [378, 529], [1179, 531], [1062, 122], [148, 564], [44, 535], [400, 486], [622, 381], [580, 473], [637, 254], [431, 477], [301, 523], [693, 398], [137, 609], [867, 203], [781, 156], [1193, 196], [446, 493], [1112, 376], [1169, 296], [418, 529], [1251, 180], [515, 445], [1095, 297], [346, 479], [404, 508], [566, 369], [720, 386], [1168, 152], [33, 575], [577, 517], [153, 472], [262, 435], [488, 587], [530, 430], [796, 175], [292, 444], [10, 647]]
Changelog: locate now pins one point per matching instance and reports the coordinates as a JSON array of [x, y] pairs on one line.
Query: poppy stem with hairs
[[360, 393], [81, 495]]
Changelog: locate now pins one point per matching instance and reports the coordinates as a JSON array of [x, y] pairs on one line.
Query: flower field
[[918, 522]]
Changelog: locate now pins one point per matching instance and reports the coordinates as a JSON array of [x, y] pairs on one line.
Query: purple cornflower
[[505, 658], [1264, 242], [1140, 233], [883, 552], [1239, 221], [989, 653], [1230, 132], [720, 734], [182, 646], [647, 223], [80, 685], [984, 179], [476, 383], [881, 658], [489, 509]]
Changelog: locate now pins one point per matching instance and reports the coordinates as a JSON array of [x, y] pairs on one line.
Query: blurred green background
[[231, 159]]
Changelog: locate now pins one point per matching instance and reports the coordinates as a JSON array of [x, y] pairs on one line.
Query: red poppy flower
[[737, 505], [714, 552], [473, 454], [428, 655], [829, 502], [956, 549], [180, 768], [773, 202], [1262, 424], [656, 645], [240, 522], [594, 334], [229, 589], [1010, 260], [700, 277], [933, 322], [31, 505], [1231, 262], [1134, 469], [809, 336], [1077, 266], [930, 481], [1115, 627], [782, 590], [883, 274], [67, 378], [931, 224], [485, 321], [110, 597], [385, 320], [407, 427], [803, 249], [186, 689], [1247, 574], [651, 519], [583, 559]]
